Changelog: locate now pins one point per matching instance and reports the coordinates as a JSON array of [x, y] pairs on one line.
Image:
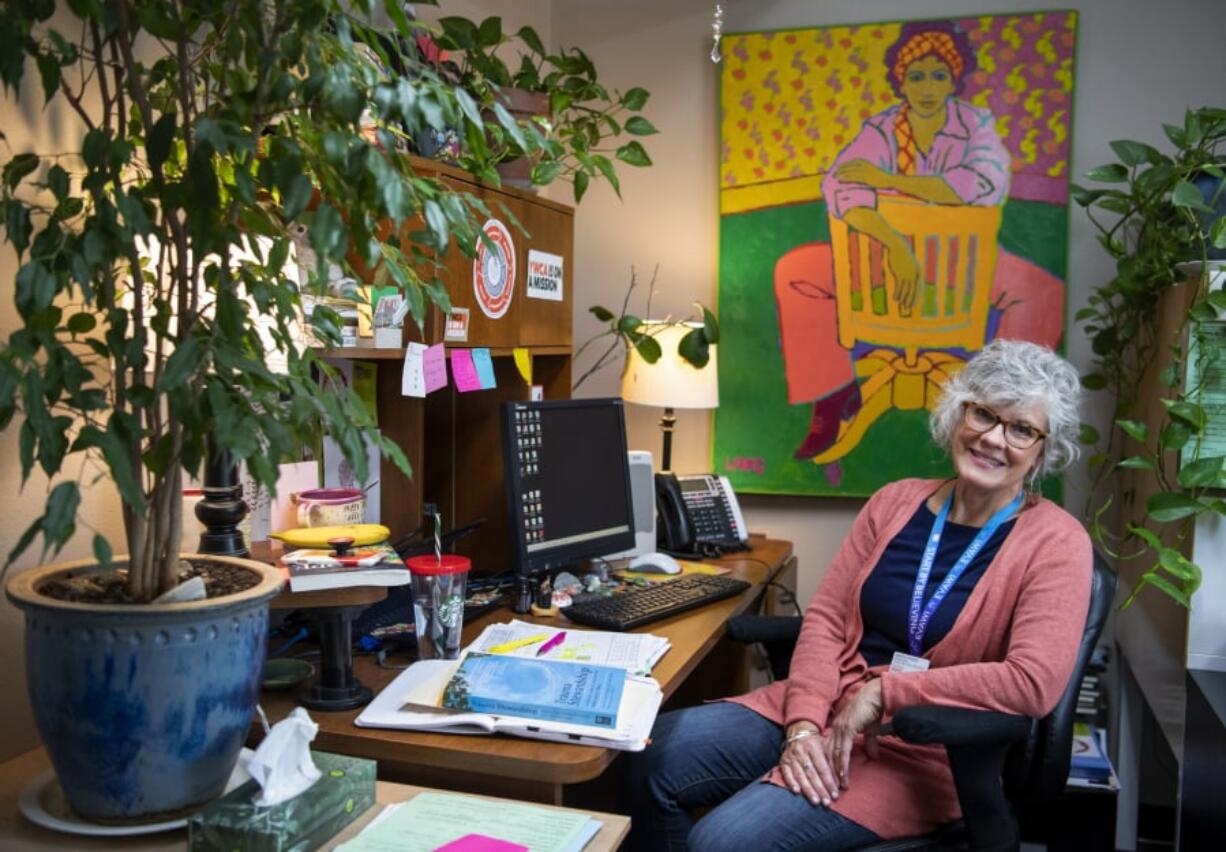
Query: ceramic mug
[[329, 507]]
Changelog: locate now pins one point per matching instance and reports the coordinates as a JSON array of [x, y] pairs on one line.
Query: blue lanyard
[[919, 618]]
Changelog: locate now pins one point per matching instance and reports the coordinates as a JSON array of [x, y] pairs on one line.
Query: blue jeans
[[713, 756]]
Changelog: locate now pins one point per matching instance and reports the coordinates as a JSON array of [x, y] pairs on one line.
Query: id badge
[[901, 662]]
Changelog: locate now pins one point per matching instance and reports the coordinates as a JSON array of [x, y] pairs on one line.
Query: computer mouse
[[654, 563]]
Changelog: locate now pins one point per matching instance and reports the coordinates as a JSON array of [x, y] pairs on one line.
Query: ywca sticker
[[494, 271], [544, 279]]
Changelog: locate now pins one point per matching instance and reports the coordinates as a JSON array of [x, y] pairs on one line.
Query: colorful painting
[[892, 197]]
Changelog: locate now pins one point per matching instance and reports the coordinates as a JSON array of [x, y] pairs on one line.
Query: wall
[[1138, 65]]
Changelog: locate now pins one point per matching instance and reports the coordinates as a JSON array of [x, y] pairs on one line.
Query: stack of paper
[[431, 821], [637, 653]]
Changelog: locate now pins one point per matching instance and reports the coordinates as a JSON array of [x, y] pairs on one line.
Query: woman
[[1002, 609], [932, 146]]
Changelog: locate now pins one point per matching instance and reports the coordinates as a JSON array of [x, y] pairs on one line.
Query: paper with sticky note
[[413, 378], [431, 820], [480, 843], [464, 371], [523, 363], [434, 362], [485, 368]]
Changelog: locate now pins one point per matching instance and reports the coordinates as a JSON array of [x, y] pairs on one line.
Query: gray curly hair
[[1014, 372]]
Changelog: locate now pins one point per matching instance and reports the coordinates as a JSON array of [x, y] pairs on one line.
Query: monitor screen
[[567, 480]]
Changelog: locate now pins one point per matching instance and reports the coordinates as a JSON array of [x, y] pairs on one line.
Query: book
[[436, 821], [373, 565], [637, 653], [410, 703], [1089, 760], [577, 693]]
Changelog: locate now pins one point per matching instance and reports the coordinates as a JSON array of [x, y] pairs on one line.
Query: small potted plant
[[152, 294], [1160, 216], [573, 126]]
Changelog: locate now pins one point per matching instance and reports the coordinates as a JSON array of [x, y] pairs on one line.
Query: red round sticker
[[494, 271]]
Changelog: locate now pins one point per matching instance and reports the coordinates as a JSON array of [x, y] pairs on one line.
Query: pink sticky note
[[480, 843], [435, 365], [464, 371]]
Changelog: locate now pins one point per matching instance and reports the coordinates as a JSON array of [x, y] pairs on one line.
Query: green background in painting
[[755, 427]]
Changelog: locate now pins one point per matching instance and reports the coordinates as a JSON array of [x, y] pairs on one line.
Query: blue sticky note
[[485, 368]]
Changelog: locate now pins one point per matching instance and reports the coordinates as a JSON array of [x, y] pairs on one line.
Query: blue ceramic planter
[[143, 709]]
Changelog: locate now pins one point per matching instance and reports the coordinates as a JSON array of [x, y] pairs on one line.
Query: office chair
[[997, 758], [955, 246]]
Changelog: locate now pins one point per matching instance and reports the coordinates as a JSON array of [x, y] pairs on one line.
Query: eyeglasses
[[1018, 433]]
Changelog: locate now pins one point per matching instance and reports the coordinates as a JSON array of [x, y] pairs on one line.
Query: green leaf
[[490, 32], [1146, 536], [1110, 173], [1175, 436], [581, 183], [1181, 568], [1136, 431], [1186, 194], [633, 154], [1217, 233], [530, 38], [17, 168], [1094, 381], [694, 348], [648, 348], [1188, 412], [58, 182], [639, 126], [1162, 584], [1088, 435], [102, 552], [181, 365], [601, 313], [629, 323], [1133, 153], [1137, 463], [59, 522], [635, 99], [49, 72], [82, 323], [1202, 473], [160, 137], [1167, 506], [1169, 377], [605, 165], [545, 172]]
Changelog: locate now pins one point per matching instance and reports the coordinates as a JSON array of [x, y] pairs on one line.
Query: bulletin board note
[[1210, 378]]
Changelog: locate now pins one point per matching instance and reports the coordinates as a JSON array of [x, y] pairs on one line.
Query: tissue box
[[345, 790]]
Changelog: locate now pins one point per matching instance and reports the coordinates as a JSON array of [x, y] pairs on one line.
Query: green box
[[344, 791]]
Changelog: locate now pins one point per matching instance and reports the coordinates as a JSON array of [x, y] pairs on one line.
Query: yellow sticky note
[[523, 362]]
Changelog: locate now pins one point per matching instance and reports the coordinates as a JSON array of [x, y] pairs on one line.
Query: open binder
[[406, 704]]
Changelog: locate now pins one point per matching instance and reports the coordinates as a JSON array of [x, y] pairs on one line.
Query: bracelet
[[800, 735]]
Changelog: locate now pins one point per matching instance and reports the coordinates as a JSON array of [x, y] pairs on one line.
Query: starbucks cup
[[438, 604]]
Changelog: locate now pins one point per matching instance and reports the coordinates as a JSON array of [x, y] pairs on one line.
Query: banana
[[362, 534]]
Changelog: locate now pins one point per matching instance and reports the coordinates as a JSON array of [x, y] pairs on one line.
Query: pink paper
[[435, 364], [464, 371], [480, 843]]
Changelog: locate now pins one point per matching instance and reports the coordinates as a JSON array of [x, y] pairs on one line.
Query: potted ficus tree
[[152, 294]]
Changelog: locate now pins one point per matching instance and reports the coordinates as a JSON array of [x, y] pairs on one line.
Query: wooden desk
[[19, 835], [533, 770]]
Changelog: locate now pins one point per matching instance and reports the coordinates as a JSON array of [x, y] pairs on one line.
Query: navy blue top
[[885, 599]]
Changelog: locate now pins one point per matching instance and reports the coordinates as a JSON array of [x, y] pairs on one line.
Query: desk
[[19, 835], [533, 770]]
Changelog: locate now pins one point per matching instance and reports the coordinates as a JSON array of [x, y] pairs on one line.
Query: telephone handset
[[698, 513]]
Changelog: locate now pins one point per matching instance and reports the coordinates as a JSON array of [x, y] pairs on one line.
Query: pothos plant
[[1158, 211], [628, 331], [153, 247]]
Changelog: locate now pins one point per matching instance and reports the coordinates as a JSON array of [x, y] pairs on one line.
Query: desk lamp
[[671, 382]]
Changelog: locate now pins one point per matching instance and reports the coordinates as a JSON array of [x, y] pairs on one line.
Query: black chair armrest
[[959, 726], [977, 742], [763, 628]]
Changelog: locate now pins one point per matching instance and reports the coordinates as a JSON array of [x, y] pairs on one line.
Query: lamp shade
[[671, 382]]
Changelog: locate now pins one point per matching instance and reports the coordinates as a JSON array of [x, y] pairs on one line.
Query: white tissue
[[282, 765]]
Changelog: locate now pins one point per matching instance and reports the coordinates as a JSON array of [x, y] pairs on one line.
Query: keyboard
[[636, 607]]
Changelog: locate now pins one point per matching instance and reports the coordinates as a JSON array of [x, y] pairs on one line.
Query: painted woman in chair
[[969, 592], [946, 154]]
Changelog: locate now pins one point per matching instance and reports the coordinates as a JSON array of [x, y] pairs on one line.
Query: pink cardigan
[[1011, 649]]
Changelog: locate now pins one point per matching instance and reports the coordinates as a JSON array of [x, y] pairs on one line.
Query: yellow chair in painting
[[956, 250]]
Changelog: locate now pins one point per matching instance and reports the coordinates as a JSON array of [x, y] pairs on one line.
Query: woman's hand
[[906, 271], [807, 769], [861, 715], [862, 171]]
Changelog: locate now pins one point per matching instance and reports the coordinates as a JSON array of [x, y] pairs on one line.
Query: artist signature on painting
[[749, 465]]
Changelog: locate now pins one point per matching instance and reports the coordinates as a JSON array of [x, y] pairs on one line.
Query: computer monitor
[[567, 482]]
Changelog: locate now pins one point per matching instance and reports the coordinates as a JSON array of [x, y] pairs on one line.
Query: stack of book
[[576, 686], [1090, 767], [313, 569]]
